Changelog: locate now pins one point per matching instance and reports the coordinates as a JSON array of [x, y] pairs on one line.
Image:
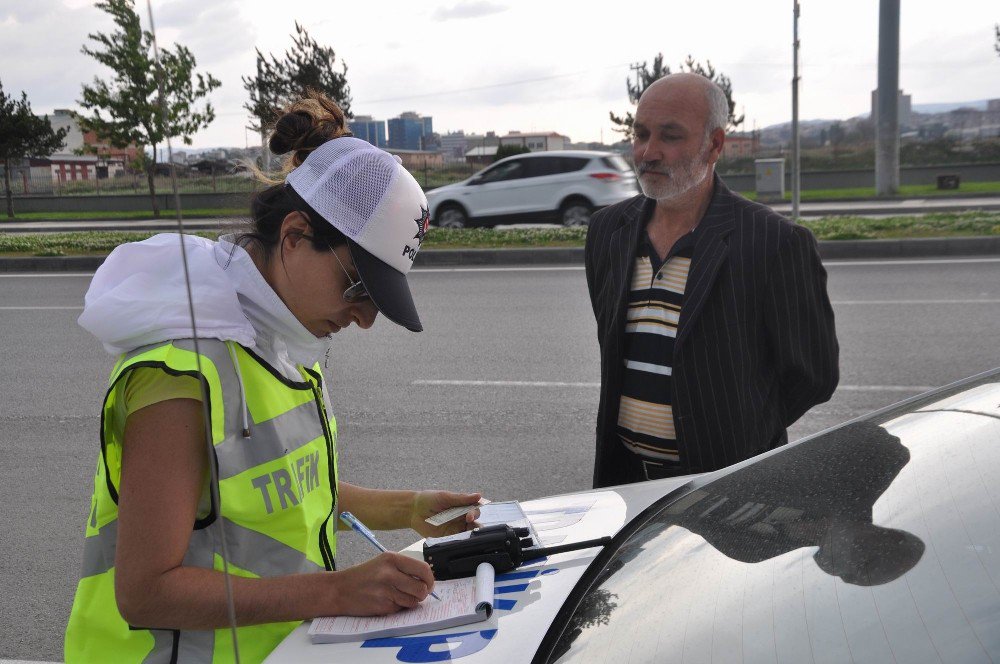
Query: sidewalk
[[891, 207], [807, 210], [829, 250]]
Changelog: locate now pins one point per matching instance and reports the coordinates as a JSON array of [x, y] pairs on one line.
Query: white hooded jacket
[[139, 297]]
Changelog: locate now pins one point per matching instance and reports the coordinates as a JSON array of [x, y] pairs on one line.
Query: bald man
[[715, 327]]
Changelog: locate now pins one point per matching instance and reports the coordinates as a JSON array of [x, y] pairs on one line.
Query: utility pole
[[795, 110], [265, 151], [887, 106], [637, 67]]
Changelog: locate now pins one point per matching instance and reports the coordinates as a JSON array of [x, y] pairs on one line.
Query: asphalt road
[[498, 395]]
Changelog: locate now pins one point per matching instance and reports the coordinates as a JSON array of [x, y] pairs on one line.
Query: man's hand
[[429, 503]]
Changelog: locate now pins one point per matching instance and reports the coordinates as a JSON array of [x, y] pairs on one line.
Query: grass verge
[[958, 224], [138, 215], [942, 224]]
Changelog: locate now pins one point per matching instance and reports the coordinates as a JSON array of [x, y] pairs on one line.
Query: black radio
[[503, 547]]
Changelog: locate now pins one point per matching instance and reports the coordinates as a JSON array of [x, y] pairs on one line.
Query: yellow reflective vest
[[276, 508]]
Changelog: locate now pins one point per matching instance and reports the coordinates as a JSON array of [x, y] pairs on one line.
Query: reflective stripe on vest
[[276, 490]]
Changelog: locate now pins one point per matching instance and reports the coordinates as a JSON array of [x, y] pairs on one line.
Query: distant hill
[[782, 132], [944, 107], [803, 124], [785, 127]]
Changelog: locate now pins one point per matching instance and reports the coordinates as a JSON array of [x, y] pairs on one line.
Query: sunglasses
[[354, 293]]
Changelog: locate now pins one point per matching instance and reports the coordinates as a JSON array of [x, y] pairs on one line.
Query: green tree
[[646, 76], [509, 150], [313, 67], [308, 65], [266, 89], [23, 134], [837, 136], [837, 133], [141, 104]]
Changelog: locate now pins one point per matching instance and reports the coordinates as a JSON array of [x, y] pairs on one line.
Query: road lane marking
[[836, 302], [551, 268], [572, 268], [885, 388], [915, 301], [835, 263], [36, 275], [503, 383], [41, 308], [922, 261], [529, 383]]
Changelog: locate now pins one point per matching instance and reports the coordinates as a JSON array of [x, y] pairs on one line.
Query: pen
[[356, 525]]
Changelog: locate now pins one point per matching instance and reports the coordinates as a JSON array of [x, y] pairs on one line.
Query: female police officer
[[330, 247]]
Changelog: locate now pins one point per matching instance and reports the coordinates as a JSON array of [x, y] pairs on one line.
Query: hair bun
[[304, 126], [289, 131]]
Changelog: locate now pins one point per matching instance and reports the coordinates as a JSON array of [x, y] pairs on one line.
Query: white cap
[[366, 194]]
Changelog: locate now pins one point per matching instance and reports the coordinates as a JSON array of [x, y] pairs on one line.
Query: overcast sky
[[504, 65]]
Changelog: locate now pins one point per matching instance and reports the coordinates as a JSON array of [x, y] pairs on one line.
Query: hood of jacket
[[139, 296]]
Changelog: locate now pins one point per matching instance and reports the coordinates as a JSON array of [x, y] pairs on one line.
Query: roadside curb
[[833, 211], [828, 249], [930, 247], [481, 257], [51, 264]]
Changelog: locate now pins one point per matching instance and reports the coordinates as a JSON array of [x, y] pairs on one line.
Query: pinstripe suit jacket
[[756, 345]]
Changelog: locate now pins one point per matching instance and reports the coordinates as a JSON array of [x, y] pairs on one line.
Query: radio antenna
[[212, 461]]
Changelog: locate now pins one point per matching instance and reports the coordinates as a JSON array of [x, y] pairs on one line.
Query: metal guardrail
[[37, 182]]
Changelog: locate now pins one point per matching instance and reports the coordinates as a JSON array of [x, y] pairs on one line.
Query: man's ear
[[718, 140]]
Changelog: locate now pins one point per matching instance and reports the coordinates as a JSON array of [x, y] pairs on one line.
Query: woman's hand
[[385, 584], [429, 503]]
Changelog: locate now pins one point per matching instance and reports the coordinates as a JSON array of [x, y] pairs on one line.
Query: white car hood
[[443, 189], [526, 599]]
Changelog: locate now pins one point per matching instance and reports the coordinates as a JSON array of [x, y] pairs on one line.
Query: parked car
[[874, 541], [563, 186]]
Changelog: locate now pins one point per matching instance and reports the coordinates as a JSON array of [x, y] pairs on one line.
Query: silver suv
[[562, 186]]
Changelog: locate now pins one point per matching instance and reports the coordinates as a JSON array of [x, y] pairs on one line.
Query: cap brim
[[387, 288]]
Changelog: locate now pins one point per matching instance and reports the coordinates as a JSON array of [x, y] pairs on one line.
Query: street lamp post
[[887, 102], [795, 110]]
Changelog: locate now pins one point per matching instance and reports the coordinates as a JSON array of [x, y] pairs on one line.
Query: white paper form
[[492, 514], [444, 517], [463, 601], [510, 513]]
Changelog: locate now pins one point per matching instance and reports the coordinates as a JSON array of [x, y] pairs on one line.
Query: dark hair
[[268, 209], [301, 128]]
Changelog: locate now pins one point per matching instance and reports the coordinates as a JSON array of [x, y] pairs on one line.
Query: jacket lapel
[[622, 249], [710, 252]]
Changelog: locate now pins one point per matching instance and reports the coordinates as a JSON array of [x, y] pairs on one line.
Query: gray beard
[[680, 179]]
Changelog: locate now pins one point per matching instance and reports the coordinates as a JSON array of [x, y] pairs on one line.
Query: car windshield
[[875, 541]]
